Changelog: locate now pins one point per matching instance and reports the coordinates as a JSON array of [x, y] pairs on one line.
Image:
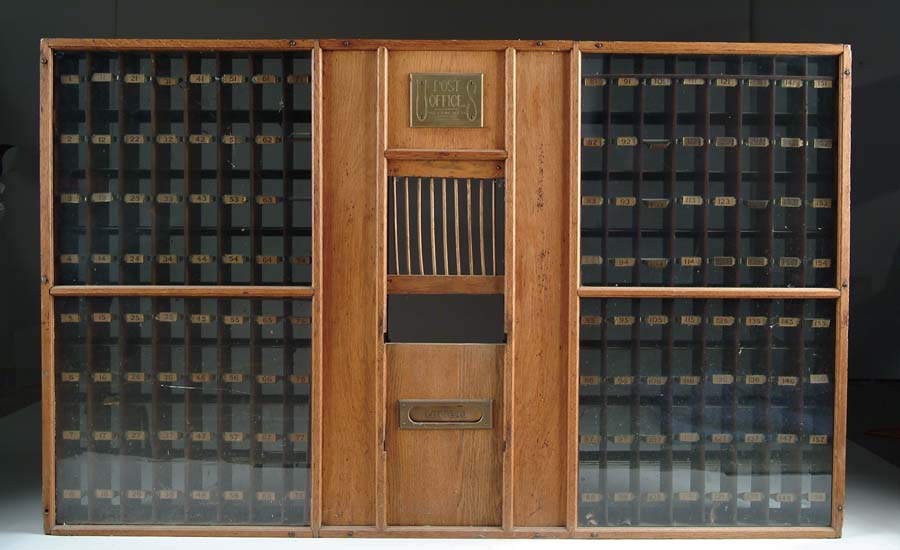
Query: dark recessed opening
[[445, 318]]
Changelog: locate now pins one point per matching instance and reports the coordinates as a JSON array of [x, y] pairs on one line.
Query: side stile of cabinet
[[48, 317], [318, 283], [351, 305], [574, 221], [839, 465], [509, 286], [540, 325]]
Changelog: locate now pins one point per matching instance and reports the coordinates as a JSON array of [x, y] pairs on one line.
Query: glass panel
[[183, 411], [708, 170], [445, 226], [705, 412], [184, 168]]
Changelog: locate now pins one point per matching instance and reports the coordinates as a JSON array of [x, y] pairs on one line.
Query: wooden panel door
[[446, 476]]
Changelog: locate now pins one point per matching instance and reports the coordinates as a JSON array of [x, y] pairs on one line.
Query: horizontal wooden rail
[[445, 154], [717, 48], [184, 530], [449, 284], [706, 292], [129, 44], [206, 291]]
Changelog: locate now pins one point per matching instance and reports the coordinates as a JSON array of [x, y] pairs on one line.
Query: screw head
[[43, 61], [846, 72], [292, 42], [44, 279], [540, 42], [598, 45], [346, 42]]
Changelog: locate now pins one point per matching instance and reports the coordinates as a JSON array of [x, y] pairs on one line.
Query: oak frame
[[49, 289]]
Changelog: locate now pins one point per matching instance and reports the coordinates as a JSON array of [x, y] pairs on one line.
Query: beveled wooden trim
[[705, 292], [445, 284], [724, 48], [48, 325], [574, 281], [718, 48], [184, 531], [142, 44], [206, 291], [485, 169], [315, 512], [381, 291], [438, 45], [696, 532], [445, 154], [451, 532], [839, 446], [509, 242]]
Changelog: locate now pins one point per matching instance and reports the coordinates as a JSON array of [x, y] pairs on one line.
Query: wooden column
[[540, 320], [350, 279]]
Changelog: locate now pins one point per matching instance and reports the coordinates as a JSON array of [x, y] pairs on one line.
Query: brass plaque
[[234, 199], [757, 142], [692, 141], [446, 100], [441, 414], [725, 141], [724, 201]]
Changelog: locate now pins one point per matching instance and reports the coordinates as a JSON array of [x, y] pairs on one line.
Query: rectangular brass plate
[[443, 414], [446, 100]]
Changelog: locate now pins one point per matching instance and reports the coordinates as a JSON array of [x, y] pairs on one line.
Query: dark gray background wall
[[870, 27]]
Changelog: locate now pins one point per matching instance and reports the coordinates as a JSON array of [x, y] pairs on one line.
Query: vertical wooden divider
[[315, 519], [48, 277], [509, 241], [381, 287], [572, 323], [540, 320], [843, 283], [350, 280]]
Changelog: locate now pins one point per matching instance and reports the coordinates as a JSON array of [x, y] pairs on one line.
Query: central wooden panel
[[447, 476]]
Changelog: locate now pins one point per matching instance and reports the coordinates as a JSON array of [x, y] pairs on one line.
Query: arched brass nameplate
[[444, 414]]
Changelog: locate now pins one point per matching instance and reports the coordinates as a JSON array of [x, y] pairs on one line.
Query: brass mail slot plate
[[446, 100], [445, 414]]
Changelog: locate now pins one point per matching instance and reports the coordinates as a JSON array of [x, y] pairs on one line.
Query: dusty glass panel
[[183, 168], [182, 411], [708, 170], [705, 412]]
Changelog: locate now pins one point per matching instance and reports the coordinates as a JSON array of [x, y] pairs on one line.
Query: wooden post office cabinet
[[436, 288]]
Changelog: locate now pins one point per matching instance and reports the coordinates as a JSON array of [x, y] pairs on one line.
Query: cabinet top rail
[[589, 46]]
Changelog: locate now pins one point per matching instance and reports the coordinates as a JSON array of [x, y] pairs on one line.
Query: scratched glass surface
[[705, 412], [183, 168], [708, 170], [182, 411]]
